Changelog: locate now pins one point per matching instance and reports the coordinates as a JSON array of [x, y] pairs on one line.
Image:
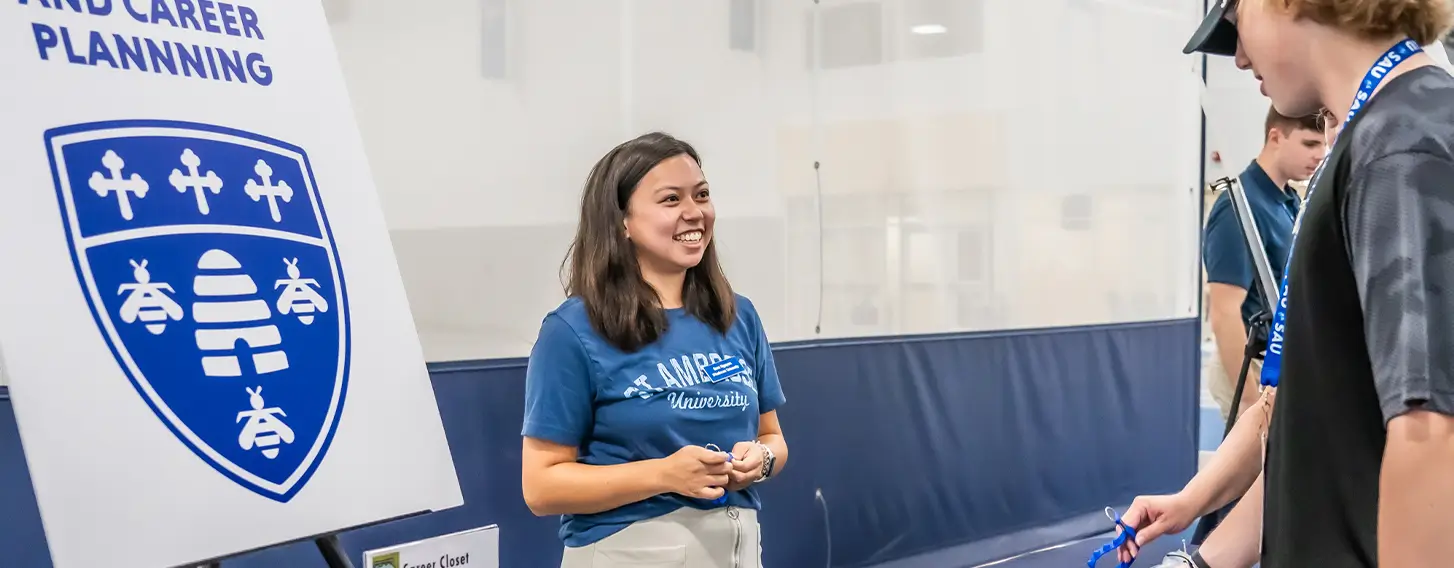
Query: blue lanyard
[[1126, 533], [1272, 361]]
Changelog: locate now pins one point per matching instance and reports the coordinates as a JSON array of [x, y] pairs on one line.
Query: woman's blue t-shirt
[[619, 407]]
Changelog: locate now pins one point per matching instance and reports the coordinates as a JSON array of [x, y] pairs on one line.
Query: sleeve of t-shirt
[[1399, 221], [558, 393], [769, 388], [1226, 256]]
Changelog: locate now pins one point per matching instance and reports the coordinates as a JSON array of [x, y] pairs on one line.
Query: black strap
[[1197, 560]]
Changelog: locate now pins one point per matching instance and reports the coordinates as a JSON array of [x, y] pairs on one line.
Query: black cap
[[1217, 35]]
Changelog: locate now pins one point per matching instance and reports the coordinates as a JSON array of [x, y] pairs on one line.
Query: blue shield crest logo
[[208, 263]]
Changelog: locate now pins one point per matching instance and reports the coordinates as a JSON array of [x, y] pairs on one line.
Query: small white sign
[[474, 548]]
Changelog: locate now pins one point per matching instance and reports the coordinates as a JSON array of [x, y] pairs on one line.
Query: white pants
[[720, 538]]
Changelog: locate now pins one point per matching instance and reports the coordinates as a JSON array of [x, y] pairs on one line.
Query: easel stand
[[1256, 344], [1257, 328], [333, 551], [328, 546]]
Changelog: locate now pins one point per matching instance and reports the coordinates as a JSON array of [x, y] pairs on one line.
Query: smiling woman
[[646, 374]]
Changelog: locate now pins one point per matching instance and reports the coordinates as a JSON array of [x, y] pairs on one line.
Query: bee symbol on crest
[[263, 429], [148, 301], [300, 297]]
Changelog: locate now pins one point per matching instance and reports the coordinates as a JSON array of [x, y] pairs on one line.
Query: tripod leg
[[1241, 386], [1209, 522], [333, 552]]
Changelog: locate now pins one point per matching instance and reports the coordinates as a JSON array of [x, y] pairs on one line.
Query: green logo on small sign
[[390, 560]]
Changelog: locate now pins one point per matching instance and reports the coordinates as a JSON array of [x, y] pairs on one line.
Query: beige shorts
[[720, 538], [1223, 382]]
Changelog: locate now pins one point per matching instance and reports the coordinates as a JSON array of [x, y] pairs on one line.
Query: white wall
[[1006, 184], [1236, 112]]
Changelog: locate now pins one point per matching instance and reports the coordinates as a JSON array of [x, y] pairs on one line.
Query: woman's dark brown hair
[[604, 273]]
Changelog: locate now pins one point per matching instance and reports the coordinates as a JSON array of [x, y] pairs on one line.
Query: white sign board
[[475, 548], [203, 324]]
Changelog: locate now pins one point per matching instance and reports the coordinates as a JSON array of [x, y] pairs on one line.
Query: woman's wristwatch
[[768, 461]]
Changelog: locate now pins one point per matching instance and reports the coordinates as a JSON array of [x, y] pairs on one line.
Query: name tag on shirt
[[724, 369]]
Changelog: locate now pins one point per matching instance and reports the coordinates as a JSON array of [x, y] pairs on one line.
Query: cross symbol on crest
[[118, 184], [194, 182], [257, 191]]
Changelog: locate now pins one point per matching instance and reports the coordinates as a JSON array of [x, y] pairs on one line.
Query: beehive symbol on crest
[[229, 306]]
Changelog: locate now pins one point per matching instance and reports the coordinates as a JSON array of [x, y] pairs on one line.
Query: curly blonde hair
[[1424, 21]]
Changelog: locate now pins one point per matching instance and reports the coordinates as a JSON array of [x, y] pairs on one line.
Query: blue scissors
[[1126, 532], [723, 499]]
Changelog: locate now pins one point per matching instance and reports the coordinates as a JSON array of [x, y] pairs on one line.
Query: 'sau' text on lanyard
[[1272, 362]]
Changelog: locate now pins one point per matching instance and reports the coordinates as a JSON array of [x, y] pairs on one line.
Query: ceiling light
[[929, 29]]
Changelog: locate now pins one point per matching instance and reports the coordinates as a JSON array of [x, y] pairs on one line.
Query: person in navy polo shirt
[[651, 395], [1292, 149]]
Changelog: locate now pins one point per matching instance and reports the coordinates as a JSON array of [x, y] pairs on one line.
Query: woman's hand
[[1153, 516], [695, 471], [746, 466]]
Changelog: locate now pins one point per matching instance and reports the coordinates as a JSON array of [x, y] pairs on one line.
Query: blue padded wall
[[22, 541], [969, 441]]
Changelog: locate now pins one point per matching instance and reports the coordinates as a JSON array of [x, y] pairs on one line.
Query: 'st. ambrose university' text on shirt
[[619, 407]]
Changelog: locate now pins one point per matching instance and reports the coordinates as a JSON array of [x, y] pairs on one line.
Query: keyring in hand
[[1126, 532], [723, 499]]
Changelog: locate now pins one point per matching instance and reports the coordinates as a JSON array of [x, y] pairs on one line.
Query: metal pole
[[333, 552]]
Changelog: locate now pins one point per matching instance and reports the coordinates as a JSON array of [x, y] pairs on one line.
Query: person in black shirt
[[1359, 455]]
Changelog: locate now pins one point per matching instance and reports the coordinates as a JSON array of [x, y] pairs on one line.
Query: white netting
[[986, 164]]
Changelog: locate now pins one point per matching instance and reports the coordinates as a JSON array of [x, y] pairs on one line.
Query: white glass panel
[[971, 178]]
